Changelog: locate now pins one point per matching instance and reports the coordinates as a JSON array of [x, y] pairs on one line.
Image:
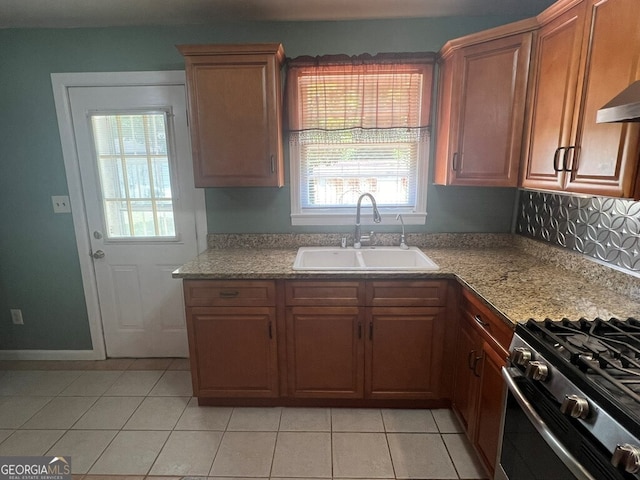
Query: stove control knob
[[537, 371], [520, 356], [575, 406], [627, 456]]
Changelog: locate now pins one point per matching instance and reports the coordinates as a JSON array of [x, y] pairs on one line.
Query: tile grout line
[[120, 430], [213, 460], [386, 438], [172, 428]]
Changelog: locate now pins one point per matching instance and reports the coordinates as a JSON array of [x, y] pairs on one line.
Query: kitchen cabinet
[[466, 368], [235, 114], [586, 53], [404, 348], [483, 87], [478, 391], [357, 339], [325, 352], [232, 338], [490, 400]]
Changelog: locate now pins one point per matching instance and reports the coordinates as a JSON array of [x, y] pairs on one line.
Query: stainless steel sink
[[371, 258]]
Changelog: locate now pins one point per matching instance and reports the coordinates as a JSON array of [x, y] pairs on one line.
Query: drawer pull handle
[[270, 331], [479, 320], [359, 330], [229, 294]]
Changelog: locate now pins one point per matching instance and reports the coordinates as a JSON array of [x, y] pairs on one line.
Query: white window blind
[[359, 125]]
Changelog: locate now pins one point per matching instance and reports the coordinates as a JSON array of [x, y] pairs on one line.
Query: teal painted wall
[[39, 268]]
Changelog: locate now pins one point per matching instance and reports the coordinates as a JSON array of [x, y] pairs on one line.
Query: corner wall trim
[[50, 355]]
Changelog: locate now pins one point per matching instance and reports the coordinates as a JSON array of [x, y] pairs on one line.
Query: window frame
[[344, 215]]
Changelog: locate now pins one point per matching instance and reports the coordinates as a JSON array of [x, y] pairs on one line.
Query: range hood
[[624, 107]]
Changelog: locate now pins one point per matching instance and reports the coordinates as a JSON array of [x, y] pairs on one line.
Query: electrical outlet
[[61, 204], [16, 316]]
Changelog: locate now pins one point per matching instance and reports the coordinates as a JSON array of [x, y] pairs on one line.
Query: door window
[[133, 159]]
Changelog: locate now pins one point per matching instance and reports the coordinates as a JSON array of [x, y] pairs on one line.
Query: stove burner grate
[[609, 350]]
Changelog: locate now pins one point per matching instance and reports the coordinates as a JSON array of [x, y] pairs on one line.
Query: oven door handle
[[563, 454]]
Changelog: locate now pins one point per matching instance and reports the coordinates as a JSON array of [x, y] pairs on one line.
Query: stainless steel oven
[[564, 420]]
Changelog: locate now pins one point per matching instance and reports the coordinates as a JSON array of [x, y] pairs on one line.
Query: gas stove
[[600, 357], [583, 378]]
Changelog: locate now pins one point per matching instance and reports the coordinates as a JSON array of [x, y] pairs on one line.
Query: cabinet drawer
[[401, 293], [492, 328], [324, 293], [211, 293]]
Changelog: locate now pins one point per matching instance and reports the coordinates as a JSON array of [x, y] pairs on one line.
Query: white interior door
[[135, 167]]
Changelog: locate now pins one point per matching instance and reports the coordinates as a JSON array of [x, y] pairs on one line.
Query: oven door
[[539, 442]]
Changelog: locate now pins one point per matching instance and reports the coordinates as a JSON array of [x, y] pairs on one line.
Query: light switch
[[61, 204]]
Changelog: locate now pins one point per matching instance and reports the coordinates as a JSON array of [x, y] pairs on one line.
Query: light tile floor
[[137, 418]]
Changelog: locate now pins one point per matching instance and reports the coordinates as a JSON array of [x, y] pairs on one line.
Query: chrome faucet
[[357, 242], [403, 243]]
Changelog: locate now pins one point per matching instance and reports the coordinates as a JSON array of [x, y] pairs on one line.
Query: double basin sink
[[363, 259]]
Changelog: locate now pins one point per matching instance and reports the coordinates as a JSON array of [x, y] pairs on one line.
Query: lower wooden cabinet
[[232, 332], [234, 351], [403, 347], [490, 401], [325, 352], [342, 346], [478, 391], [467, 373], [298, 341]]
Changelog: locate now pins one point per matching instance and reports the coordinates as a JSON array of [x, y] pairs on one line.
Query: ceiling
[[103, 13]]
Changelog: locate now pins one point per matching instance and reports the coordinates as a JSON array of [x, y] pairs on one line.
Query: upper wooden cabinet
[[586, 53], [483, 86], [235, 114]]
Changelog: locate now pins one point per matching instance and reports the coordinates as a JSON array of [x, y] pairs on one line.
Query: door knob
[[98, 254]]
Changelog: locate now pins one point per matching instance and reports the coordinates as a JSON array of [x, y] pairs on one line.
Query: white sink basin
[[370, 258]]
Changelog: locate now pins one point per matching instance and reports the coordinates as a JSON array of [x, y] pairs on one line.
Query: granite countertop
[[517, 285]]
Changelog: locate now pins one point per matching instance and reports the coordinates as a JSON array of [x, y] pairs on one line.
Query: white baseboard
[[50, 355]]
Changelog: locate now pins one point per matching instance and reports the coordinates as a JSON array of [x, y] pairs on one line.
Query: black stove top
[[602, 357]]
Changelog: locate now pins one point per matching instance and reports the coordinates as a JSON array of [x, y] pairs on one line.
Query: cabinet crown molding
[[558, 8], [233, 49], [515, 28]]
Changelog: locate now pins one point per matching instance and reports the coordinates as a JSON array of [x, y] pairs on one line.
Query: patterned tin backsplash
[[606, 229]]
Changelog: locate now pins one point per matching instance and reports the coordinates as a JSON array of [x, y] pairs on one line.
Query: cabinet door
[[404, 352], [491, 83], [553, 99], [325, 353], [235, 116], [605, 160], [490, 401], [466, 373], [233, 351]]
